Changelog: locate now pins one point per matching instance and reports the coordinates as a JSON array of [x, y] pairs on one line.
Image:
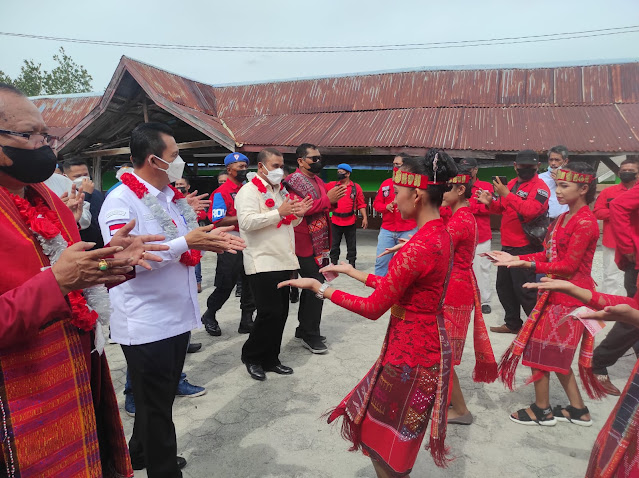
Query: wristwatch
[[320, 293], [533, 265]]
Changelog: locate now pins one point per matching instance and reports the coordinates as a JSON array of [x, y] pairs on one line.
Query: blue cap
[[234, 158], [345, 167]]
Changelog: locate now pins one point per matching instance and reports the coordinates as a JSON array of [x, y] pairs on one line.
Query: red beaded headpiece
[[412, 180], [573, 177]]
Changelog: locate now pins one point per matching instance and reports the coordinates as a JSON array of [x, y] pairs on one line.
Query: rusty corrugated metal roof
[[63, 113], [584, 128]]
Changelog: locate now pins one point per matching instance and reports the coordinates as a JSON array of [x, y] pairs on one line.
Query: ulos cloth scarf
[[317, 223], [542, 316], [58, 410]]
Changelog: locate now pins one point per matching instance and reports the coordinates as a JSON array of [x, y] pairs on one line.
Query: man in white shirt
[[557, 158], [65, 190], [266, 217], [153, 314]]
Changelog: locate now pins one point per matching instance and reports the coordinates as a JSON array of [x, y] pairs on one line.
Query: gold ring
[[103, 265]]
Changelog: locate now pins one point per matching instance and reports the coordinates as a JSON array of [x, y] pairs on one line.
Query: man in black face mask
[[230, 267], [312, 239], [523, 200]]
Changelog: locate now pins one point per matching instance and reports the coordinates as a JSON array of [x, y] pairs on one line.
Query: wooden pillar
[[97, 172], [610, 163]]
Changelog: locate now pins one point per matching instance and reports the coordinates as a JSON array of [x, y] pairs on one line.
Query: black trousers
[[230, 268], [310, 311], [350, 232], [620, 338], [155, 370], [510, 291], [264, 344]]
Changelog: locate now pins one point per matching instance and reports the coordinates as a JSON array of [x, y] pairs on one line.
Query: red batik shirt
[[602, 211], [391, 221], [350, 203], [576, 245], [415, 281], [481, 212]]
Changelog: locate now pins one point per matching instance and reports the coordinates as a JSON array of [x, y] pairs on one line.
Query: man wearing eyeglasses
[[312, 239]]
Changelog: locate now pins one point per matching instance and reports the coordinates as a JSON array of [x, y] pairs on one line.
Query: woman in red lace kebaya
[[463, 295], [388, 411], [616, 449], [547, 340]]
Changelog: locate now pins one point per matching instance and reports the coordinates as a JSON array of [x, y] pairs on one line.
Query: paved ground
[[244, 428]]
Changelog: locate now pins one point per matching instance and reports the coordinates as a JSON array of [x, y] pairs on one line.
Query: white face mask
[[78, 181], [175, 169], [275, 176]]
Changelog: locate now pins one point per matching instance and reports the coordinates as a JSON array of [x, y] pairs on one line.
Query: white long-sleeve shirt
[[268, 248], [60, 184], [554, 208], [159, 303]]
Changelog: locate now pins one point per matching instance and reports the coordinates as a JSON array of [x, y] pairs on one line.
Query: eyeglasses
[[34, 138], [315, 159]]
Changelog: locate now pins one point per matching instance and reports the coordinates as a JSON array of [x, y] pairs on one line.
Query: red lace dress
[[460, 295], [387, 413], [616, 450], [551, 346]]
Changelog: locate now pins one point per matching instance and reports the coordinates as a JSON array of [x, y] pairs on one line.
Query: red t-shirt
[[391, 221], [530, 200], [602, 212], [481, 212], [349, 204], [224, 202], [303, 243], [624, 218]]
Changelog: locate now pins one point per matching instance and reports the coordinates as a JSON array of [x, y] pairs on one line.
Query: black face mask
[[182, 190], [316, 168], [627, 176], [241, 175], [526, 174], [29, 165], [341, 176]]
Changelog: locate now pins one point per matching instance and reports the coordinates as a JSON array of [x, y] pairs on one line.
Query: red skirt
[[397, 415], [457, 319], [552, 347]]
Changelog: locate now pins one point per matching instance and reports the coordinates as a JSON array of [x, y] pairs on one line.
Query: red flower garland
[[189, 258], [45, 222], [269, 202]]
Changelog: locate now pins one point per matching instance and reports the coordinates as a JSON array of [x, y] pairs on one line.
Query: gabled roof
[[589, 108]]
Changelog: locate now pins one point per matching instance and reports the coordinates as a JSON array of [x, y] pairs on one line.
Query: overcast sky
[[303, 23]]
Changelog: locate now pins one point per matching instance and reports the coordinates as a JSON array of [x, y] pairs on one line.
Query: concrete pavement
[[244, 428]]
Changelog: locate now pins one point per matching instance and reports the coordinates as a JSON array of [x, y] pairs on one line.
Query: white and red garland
[[269, 200], [87, 306], [189, 258]]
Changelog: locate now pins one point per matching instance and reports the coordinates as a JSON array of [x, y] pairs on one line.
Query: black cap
[[468, 163], [527, 156]]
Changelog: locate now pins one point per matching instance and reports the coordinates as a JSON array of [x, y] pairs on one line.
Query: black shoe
[[246, 322], [295, 295], [315, 345], [300, 335], [193, 348], [485, 309], [353, 264], [137, 466], [238, 292], [256, 371], [210, 324], [280, 369]]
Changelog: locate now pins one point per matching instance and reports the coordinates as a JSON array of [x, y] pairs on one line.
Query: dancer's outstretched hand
[[394, 249], [341, 268], [618, 313], [554, 285], [301, 283]]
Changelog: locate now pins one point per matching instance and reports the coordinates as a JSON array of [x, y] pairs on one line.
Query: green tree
[[67, 77]]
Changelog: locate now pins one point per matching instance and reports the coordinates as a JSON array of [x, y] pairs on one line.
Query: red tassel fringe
[[508, 367], [593, 388], [536, 376], [350, 431], [485, 372], [439, 452]]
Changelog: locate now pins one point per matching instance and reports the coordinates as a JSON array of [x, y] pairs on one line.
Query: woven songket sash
[[353, 407], [615, 453], [317, 223], [413, 180], [485, 364], [512, 355], [573, 177], [48, 400]]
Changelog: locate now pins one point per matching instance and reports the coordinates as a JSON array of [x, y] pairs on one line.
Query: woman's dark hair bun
[[439, 165]]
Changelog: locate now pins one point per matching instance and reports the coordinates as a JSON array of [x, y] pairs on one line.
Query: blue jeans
[[198, 272], [385, 240]]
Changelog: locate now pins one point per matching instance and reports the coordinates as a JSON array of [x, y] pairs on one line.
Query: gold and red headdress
[[412, 180], [460, 179], [574, 177]]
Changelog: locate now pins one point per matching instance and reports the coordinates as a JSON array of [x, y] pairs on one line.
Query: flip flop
[[465, 419]]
